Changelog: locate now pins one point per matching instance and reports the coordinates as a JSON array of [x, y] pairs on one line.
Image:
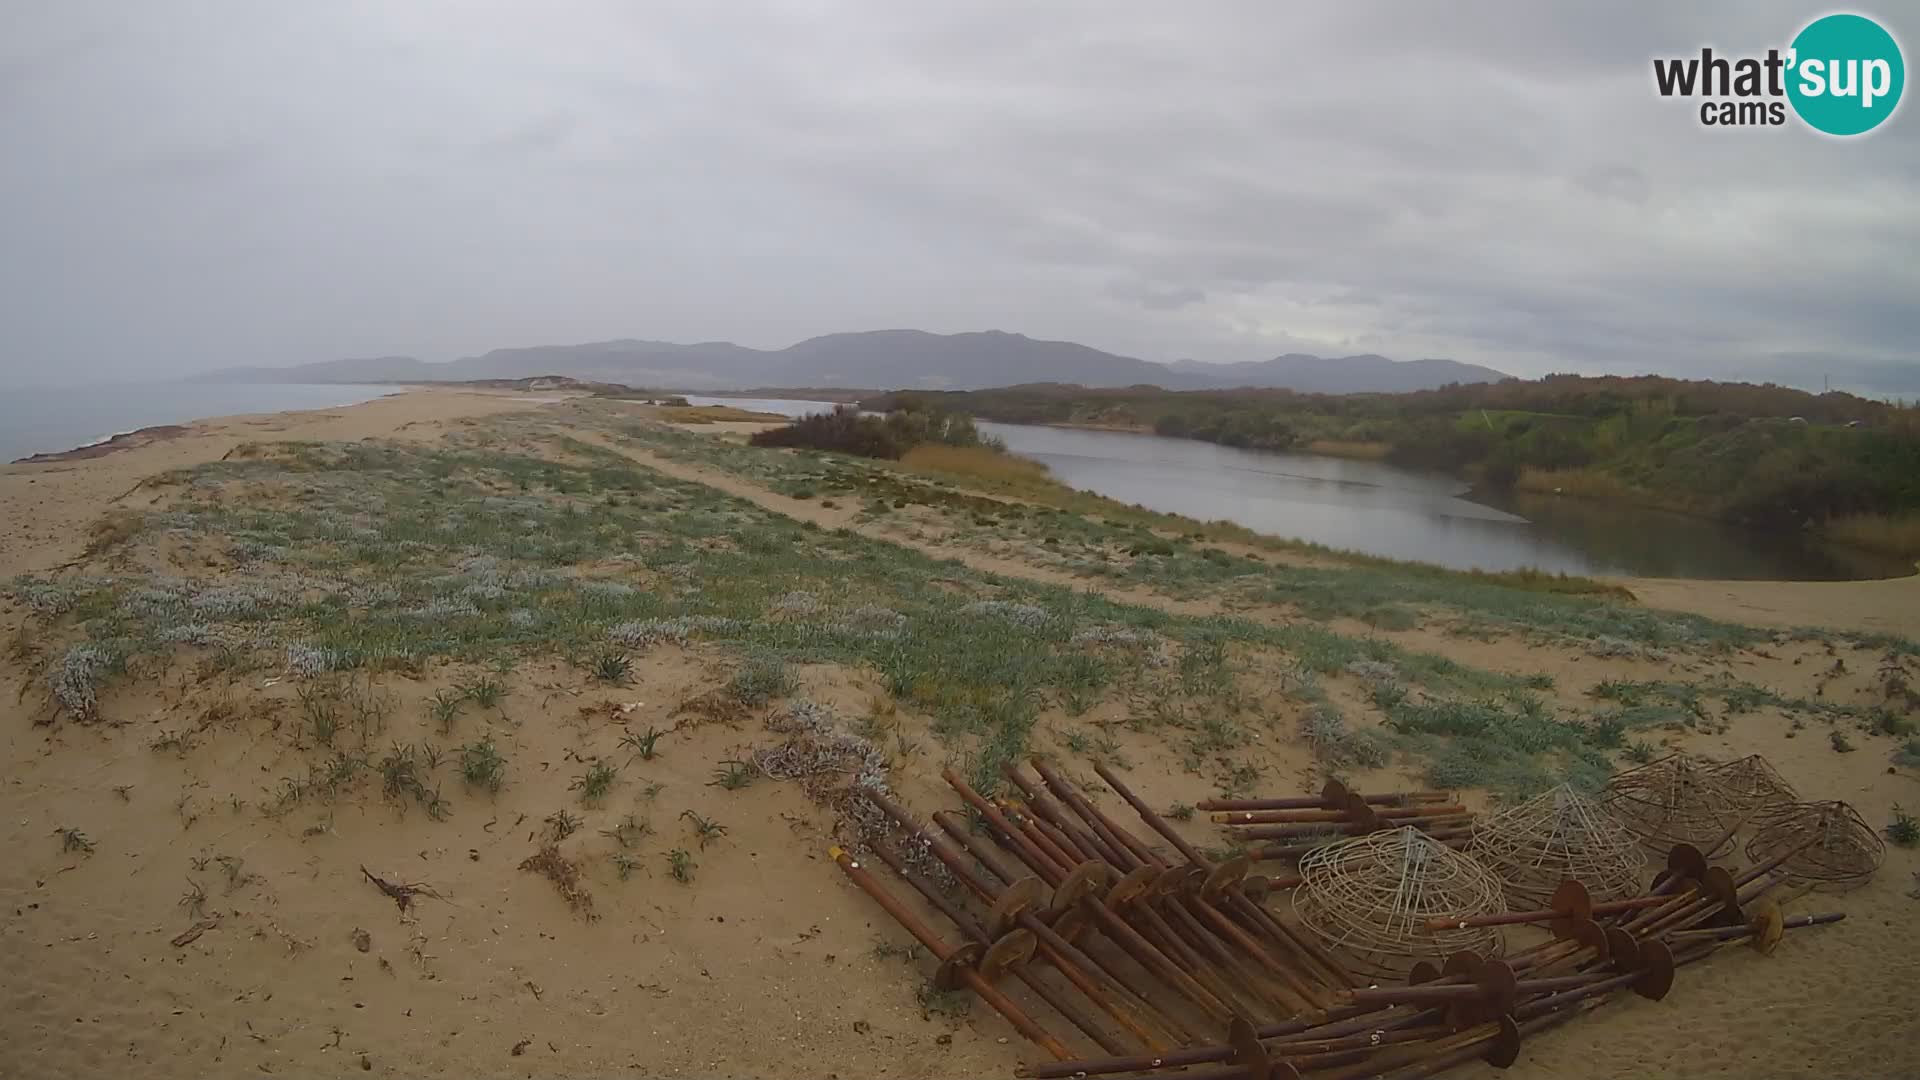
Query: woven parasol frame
[[1675, 800], [1846, 854], [1754, 784], [1557, 835], [1371, 897]]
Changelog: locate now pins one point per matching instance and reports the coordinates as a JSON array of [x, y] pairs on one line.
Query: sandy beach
[[198, 935]]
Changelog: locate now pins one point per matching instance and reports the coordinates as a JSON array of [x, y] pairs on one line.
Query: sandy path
[[46, 509], [1888, 607], [844, 517], [1874, 606]]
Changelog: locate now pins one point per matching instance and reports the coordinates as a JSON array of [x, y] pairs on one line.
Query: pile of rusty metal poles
[[1139, 947], [1300, 824], [1476, 1008], [1090, 939]]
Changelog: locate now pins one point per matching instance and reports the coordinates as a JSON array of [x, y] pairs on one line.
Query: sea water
[[49, 419]]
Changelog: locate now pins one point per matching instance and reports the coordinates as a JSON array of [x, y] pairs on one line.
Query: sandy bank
[[47, 507]]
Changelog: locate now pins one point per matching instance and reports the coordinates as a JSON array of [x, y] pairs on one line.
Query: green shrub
[[761, 679]]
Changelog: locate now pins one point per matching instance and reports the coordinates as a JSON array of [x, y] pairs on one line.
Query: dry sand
[[766, 964]]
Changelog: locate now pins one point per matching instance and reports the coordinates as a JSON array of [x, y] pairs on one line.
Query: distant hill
[[1367, 372], [356, 369], [886, 359]]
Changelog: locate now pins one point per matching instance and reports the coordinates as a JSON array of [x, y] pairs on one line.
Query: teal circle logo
[[1845, 74]]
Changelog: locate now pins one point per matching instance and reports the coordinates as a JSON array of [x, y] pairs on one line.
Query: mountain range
[[884, 360]]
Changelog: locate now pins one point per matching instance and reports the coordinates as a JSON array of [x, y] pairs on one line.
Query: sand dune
[[766, 963]]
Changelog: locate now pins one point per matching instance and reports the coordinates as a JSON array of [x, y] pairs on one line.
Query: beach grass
[[369, 560], [342, 564], [715, 414], [1888, 534]]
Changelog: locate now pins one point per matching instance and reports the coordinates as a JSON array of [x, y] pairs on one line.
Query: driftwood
[[192, 933], [402, 894]]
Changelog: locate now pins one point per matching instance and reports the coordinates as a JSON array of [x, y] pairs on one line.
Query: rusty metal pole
[[1004, 831], [1297, 994], [1409, 1026], [987, 992], [1752, 891], [1177, 946], [1504, 1042], [1046, 809], [1512, 918], [1074, 822], [1275, 929], [1320, 802], [1147, 814], [1066, 841], [1219, 976], [1688, 905], [986, 855], [1201, 1055], [1335, 816], [1430, 995], [1735, 933], [1351, 1018], [1078, 966], [1301, 995], [1719, 894], [1116, 928], [1346, 828], [1137, 854], [957, 829], [1245, 968], [1255, 915], [1039, 839], [1460, 1047], [975, 932]]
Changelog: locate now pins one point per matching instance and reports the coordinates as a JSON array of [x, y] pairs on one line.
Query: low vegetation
[[678, 411], [1904, 830], [979, 464], [847, 430], [680, 866], [345, 567], [482, 766]]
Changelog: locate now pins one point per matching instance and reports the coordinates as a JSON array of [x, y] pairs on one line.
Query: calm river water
[[1382, 509]]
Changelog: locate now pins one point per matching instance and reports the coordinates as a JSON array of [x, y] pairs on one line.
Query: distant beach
[[55, 419]]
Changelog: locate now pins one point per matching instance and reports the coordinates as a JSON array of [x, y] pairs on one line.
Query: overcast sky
[[192, 185]]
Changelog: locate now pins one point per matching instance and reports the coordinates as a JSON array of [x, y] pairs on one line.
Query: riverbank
[[1760, 457], [1889, 605], [513, 653], [1359, 509], [1896, 537]]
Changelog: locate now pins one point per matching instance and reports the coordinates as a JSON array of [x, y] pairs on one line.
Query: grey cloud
[[1623, 182], [190, 186], [1154, 297]]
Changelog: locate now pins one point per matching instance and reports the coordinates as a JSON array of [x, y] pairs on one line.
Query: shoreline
[[1474, 494], [136, 413], [49, 506], [1631, 582], [121, 440], [135, 438]]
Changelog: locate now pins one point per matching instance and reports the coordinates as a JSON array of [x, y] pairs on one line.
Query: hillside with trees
[[1760, 455]]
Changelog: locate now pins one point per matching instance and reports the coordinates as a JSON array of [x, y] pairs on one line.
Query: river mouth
[[1379, 509]]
